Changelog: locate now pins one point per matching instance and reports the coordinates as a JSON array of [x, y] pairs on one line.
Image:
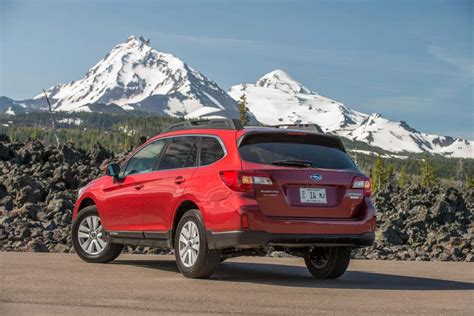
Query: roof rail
[[224, 123], [301, 126]]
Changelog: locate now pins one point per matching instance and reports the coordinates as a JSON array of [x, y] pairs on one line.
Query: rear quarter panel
[[208, 191]]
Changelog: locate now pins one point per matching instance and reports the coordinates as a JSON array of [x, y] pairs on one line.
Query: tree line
[[118, 133], [384, 174]]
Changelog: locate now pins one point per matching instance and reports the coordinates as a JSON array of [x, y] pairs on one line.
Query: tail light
[[363, 183], [243, 181]]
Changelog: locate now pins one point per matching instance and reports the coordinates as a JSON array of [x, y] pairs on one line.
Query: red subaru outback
[[212, 190]]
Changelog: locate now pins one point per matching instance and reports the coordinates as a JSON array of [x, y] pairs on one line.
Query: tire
[[101, 251], [328, 262], [195, 260]]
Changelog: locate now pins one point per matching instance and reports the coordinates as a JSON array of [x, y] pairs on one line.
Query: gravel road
[[39, 283]]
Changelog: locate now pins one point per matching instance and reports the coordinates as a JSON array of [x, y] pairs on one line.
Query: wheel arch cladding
[[86, 202], [180, 211]]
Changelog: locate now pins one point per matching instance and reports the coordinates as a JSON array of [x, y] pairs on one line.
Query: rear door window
[[211, 151], [144, 160], [299, 150], [181, 152]]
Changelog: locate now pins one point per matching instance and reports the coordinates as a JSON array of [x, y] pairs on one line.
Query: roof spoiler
[[304, 127]]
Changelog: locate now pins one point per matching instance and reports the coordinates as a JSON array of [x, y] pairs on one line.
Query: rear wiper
[[293, 163]]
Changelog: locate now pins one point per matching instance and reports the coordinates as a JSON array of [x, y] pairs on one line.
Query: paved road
[[33, 283]]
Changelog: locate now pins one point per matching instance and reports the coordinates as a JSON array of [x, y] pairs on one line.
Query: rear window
[[277, 148], [211, 151]]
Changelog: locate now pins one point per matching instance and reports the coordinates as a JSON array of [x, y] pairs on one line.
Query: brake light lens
[[363, 183], [243, 181]]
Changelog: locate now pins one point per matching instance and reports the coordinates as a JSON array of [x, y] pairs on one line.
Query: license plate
[[317, 196]]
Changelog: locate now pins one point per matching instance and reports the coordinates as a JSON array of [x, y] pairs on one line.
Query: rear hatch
[[311, 175]]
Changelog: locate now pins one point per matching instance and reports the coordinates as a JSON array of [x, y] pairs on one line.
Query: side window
[[181, 152], [144, 160], [211, 151]]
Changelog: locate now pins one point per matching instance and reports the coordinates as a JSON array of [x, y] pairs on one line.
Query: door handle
[[179, 180], [139, 186]]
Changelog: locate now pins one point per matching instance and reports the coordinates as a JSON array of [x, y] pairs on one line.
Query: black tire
[[207, 260], [328, 262], [109, 252]]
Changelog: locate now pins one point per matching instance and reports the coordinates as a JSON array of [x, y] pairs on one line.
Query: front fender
[[86, 199]]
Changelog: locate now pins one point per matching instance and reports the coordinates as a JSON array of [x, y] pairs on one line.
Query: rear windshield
[[310, 150]]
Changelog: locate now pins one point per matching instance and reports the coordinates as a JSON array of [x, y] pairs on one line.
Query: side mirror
[[113, 170]]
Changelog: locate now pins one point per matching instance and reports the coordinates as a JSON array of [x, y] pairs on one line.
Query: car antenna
[[53, 123]]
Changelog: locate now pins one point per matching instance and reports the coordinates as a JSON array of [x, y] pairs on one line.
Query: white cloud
[[464, 64]]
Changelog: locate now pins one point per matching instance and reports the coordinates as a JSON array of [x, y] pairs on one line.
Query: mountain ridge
[[133, 76], [131, 73], [277, 98]]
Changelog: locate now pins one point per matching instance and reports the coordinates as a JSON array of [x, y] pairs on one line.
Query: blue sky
[[408, 60]]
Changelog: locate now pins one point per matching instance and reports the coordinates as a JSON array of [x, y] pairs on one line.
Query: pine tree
[[427, 174], [377, 173], [403, 177], [470, 183], [243, 110], [388, 174], [460, 176]]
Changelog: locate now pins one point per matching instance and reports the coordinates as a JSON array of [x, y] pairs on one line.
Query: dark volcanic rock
[[99, 154], [423, 224], [4, 138], [3, 191], [39, 185], [36, 245], [5, 153], [37, 191], [69, 155]]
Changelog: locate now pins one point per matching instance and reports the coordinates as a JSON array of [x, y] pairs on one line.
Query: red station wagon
[[213, 190]]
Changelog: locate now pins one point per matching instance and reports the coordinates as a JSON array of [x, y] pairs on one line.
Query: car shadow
[[164, 265], [295, 276]]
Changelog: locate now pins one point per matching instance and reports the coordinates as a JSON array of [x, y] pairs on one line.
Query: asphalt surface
[[37, 283]]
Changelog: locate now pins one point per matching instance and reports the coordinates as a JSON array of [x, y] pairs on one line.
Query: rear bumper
[[252, 239], [260, 230]]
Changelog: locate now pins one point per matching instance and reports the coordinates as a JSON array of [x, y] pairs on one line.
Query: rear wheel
[[328, 262], [193, 257], [88, 238]]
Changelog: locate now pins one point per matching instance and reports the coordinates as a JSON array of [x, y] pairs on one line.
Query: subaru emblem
[[316, 177]]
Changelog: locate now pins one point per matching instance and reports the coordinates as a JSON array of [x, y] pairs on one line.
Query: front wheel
[[193, 257], [328, 262], [88, 238]]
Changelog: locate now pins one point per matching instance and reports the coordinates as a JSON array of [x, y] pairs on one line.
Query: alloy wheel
[[91, 236], [189, 243]]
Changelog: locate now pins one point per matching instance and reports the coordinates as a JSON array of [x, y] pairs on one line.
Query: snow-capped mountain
[[399, 136], [276, 98], [135, 76]]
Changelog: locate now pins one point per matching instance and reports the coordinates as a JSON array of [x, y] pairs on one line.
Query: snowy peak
[[279, 79], [135, 76], [277, 98], [140, 40]]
